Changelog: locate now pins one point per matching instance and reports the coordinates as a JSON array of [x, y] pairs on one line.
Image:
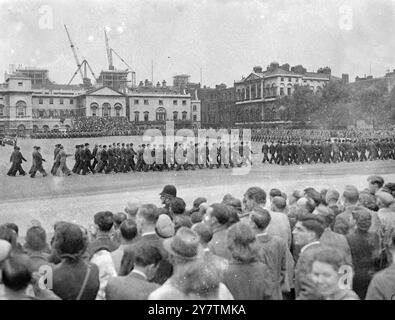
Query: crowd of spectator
[[310, 244]]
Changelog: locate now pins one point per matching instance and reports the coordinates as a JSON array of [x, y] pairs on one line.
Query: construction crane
[[109, 53], [75, 53], [84, 64]]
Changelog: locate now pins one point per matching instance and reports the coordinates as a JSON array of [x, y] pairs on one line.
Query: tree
[[373, 103]]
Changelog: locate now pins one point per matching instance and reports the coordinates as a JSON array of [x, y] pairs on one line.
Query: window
[[71, 101], [118, 109], [161, 114], [40, 101], [296, 79], [106, 110], [175, 102], [282, 78], [1, 110], [175, 115], [289, 91], [21, 109], [184, 102], [146, 102], [194, 107], [136, 116], [281, 91], [194, 117], [20, 84], [146, 114], [161, 102], [61, 101], [136, 101], [184, 115], [50, 100], [289, 79], [94, 107]]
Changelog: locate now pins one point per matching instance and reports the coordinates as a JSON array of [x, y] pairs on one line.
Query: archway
[[21, 130]]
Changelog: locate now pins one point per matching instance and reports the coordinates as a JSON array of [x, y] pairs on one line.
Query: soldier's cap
[[104, 146], [123, 144], [86, 144]]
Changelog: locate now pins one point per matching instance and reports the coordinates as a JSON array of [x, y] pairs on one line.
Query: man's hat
[[169, 190], [86, 144], [185, 244], [164, 226]]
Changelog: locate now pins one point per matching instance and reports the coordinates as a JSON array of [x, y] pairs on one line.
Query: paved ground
[[78, 198]]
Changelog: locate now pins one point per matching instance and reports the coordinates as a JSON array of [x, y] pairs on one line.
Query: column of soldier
[[122, 158], [327, 151]]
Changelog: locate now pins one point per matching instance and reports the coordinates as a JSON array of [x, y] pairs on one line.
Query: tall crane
[[109, 52], [75, 54]]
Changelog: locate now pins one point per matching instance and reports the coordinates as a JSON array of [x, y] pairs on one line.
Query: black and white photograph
[[197, 150]]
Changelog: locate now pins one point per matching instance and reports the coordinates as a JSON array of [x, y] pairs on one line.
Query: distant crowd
[[307, 245]]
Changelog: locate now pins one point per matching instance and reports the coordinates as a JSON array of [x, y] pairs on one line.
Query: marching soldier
[[56, 163], [62, 157], [265, 151], [37, 163], [103, 158], [76, 158], [16, 160]]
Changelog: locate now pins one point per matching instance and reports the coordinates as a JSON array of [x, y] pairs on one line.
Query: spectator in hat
[[326, 274], [273, 251], [382, 285], [73, 278], [168, 193], [306, 235], [146, 220], [164, 226], [385, 213], [128, 233], [246, 277], [365, 251], [188, 279], [332, 239], [104, 223], [217, 217], [344, 222], [135, 285]]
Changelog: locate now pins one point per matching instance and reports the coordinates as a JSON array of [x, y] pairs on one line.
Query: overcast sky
[[225, 38]]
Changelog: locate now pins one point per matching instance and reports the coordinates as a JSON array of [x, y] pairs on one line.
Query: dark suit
[[165, 269], [37, 164], [16, 159], [131, 287]]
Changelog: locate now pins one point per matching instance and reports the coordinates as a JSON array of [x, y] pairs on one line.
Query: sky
[[224, 39]]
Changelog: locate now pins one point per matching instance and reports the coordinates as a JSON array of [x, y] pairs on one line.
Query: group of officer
[[327, 151], [124, 158]]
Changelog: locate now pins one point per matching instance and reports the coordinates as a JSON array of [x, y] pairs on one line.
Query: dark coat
[[250, 281], [68, 278], [101, 242], [219, 243], [131, 287], [339, 242], [165, 268], [382, 286]]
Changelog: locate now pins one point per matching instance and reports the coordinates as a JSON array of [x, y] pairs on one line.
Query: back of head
[[118, 218], [279, 202], [69, 241], [177, 206], [220, 212], [36, 238], [306, 204], [15, 271], [378, 180], [104, 220], [8, 234], [128, 229], [149, 212], [313, 223], [351, 194], [332, 195], [182, 220], [384, 198], [197, 202], [314, 195], [257, 194], [329, 255], [275, 193], [146, 254], [327, 214], [204, 231], [261, 218], [242, 243], [368, 201], [13, 226]]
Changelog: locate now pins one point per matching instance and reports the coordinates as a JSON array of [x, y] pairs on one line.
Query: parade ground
[[78, 198]]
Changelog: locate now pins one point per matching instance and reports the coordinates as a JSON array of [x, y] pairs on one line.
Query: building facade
[[256, 94]]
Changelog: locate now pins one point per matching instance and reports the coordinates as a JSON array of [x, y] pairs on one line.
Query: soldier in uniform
[[111, 160], [76, 158], [265, 151], [94, 154], [16, 160], [62, 155], [37, 163], [56, 163], [87, 157], [103, 158], [272, 151], [335, 152]]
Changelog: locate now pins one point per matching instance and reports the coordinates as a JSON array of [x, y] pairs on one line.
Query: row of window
[[146, 102], [61, 101], [161, 115]]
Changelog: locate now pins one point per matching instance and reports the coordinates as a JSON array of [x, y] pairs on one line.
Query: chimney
[[164, 84], [141, 84], [158, 84], [146, 83]]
